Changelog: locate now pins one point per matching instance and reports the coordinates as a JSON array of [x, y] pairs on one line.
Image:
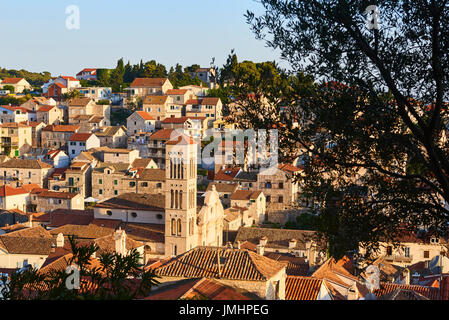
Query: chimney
[[263, 241], [120, 242], [229, 245], [60, 240], [237, 245], [260, 249], [292, 243], [30, 221], [406, 275], [353, 292]]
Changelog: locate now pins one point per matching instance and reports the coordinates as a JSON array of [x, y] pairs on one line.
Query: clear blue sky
[[168, 31]]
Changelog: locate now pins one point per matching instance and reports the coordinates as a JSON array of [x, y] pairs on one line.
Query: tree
[[113, 276], [116, 78], [8, 87], [72, 94], [104, 77], [378, 111]]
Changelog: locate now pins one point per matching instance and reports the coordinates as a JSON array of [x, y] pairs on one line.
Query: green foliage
[[104, 77], [72, 94], [116, 278], [104, 102], [13, 100], [8, 87], [375, 118], [33, 78]]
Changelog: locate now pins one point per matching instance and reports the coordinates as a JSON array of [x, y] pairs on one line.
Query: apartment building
[[16, 139], [43, 200], [57, 136], [18, 172]]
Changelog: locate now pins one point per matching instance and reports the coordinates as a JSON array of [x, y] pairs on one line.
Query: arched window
[[176, 199], [173, 227], [171, 198], [180, 199], [179, 227]]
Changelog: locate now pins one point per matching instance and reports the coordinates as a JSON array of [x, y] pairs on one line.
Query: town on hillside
[[324, 180]]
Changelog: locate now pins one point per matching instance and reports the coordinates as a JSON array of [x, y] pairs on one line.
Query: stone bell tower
[[181, 232]]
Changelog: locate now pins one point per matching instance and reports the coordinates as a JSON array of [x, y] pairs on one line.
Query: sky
[[168, 31]]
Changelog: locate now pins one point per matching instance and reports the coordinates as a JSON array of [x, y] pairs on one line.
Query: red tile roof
[[202, 288], [11, 80], [61, 128], [302, 288], [148, 82], [234, 265], [163, 134], [10, 191], [177, 91], [145, 115], [78, 136], [388, 288]]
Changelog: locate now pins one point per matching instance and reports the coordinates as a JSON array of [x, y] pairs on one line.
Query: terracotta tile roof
[[25, 164], [13, 125], [79, 102], [178, 120], [70, 78], [6, 191], [388, 288], [57, 84], [144, 231], [297, 266], [61, 217], [209, 101], [91, 70], [192, 102], [78, 136], [90, 231], [302, 288], [45, 108], [25, 245], [145, 115], [177, 91], [288, 168], [61, 128], [202, 288], [32, 124], [109, 131], [234, 265], [227, 174], [107, 244], [277, 238], [346, 263], [181, 140], [141, 162], [151, 202], [96, 119], [152, 175], [11, 80], [245, 194], [157, 100], [163, 134], [148, 82]]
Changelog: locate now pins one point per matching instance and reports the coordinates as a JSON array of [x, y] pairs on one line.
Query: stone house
[[43, 200], [49, 114], [18, 172], [16, 139], [19, 84], [57, 136], [161, 107], [14, 198], [254, 201], [140, 121], [279, 187], [149, 86], [237, 268], [79, 142], [112, 137]]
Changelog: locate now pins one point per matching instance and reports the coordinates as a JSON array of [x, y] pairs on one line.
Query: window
[[100, 181], [281, 199], [173, 227], [132, 184], [100, 191], [407, 252], [179, 227], [426, 254], [389, 250], [115, 182], [159, 216], [115, 192], [281, 185], [109, 213], [144, 184], [133, 214], [268, 198]]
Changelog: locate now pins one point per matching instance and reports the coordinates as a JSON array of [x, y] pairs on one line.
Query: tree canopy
[[375, 117]]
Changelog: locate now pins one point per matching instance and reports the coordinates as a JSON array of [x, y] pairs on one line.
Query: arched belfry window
[[171, 198], [180, 199], [173, 226], [179, 227]]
